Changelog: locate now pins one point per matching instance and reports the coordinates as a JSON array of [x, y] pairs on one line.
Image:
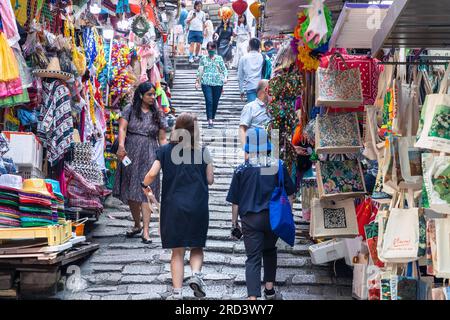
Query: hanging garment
[[9, 22], [55, 125]]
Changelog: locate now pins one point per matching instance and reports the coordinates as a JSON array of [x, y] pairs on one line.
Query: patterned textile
[[370, 72], [214, 71], [55, 125]]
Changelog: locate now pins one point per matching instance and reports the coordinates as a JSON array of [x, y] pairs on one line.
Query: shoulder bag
[[280, 211]]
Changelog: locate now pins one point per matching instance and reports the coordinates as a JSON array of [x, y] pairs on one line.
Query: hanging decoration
[[286, 90], [240, 6], [123, 6], [255, 9], [317, 28], [140, 26]]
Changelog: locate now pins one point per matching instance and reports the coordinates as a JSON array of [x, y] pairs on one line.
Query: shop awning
[[281, 16], [357, 25], [415, 24]]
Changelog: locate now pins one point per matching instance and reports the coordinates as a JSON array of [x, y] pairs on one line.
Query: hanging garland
[[285, 89], [140, 26], [92, 103]]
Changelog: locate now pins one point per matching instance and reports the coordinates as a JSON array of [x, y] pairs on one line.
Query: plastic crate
[[30, 172], [25, 149]]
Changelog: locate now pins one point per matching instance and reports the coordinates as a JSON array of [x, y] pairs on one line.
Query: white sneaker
[[175, 296], [197, 285], [191, 60], [275, 296], [196, 58]]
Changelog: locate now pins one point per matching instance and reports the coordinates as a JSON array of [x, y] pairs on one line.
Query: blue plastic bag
[[281, 218]]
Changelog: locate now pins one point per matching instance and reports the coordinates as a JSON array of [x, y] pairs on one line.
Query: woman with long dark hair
[[187, 172], [142, 129], [223, 36], [243, 35]]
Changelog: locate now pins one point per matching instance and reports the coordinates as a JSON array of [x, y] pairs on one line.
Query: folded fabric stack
[[9, 201], [35, 204], [58, 200]]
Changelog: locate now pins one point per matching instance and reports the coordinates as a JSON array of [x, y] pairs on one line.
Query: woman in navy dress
[[187, 171]]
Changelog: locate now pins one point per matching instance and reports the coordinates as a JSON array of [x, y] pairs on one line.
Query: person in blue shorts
[[196, 21]]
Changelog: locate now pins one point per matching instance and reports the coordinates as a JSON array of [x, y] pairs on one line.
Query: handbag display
[[442, 266], [370, 75], [436, 180], [281, 218], [400, 243], [340, 179], [337, 133], [359, 284], [434, 127], [365, 213], [373, 283], [373, 145], [340, 88], [336, 219]]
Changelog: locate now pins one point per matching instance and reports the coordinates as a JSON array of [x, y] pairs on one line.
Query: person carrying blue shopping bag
[[255, 187]]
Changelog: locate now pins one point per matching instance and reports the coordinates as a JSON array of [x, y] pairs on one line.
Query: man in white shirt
[[196, 21], [250, 70], [254, 114]]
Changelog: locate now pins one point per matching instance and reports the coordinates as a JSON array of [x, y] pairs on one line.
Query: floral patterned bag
[[342, 138], [339, 88], [434, 128], [340, 179]]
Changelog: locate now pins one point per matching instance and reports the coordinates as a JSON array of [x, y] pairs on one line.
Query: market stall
[[366, 136], [69, 69]]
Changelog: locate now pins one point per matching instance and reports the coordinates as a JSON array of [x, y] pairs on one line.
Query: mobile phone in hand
[[126, 161], [237, 233]]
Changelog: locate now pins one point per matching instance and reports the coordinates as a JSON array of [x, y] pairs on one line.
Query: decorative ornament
[[318, 26], [225, 13], [140, 26], [255, 9], [306, 60], [240, 6]]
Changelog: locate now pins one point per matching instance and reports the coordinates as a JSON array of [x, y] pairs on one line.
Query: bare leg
[[196, 259], [135, 208], [197, 48], [192, 48], [177, 267], [146, 214]]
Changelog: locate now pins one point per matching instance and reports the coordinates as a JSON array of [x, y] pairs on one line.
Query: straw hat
[[36, 186], [10, 182], [53, 71]]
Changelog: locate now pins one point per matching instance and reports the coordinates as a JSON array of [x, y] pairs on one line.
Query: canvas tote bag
[[401, 236], [434, 119], [333, 219], [442, 267], [436, 172], [339, 88]]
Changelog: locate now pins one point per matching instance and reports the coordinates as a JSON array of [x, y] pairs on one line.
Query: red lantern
[[239, 6]]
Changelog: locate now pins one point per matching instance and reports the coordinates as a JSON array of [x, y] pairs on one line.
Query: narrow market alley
[[125, 268]]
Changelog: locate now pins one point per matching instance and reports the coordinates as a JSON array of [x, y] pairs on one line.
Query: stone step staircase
[[127, 269]]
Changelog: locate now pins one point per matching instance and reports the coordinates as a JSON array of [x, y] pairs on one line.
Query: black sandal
[[132, 232], [146, 241]]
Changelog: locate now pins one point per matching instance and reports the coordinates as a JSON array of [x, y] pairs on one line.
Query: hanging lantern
[[225, 13], [240, 6], [255, 9]]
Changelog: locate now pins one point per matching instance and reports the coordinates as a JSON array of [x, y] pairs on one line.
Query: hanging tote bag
[[281, 218], [340, 179], [442, 267], [339, 88], [337, 133], [334, 219], [401, 236], [373, 145], [434, 119], [436, 179]]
